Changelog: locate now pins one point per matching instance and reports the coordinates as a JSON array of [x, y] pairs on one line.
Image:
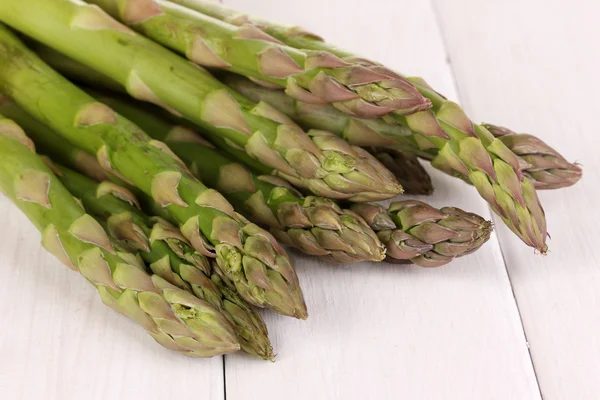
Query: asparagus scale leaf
[[173, 317], [250, 256]]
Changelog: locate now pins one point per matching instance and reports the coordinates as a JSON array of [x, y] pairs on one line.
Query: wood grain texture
[[59, 342], [533, 66], [381, 331]]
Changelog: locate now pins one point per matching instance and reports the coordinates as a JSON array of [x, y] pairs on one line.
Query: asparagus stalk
[[318, 161], [407, 169], [543, 165], [314, 225], [358, 132], [315, 76], [415, 232], [115, 206], [173, 317], [250, 256], [465, 150]]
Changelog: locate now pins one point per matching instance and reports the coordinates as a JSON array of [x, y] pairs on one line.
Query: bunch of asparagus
[[293, 137]]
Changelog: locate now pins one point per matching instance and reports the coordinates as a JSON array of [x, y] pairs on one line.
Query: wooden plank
[[382, 331], [532, 65], [58, 341]]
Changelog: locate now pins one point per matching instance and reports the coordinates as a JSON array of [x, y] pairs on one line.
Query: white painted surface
[[375, 331]]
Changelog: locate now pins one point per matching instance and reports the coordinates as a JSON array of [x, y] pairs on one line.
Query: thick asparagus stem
[[157, 242], [250, 256], [465, 150], [543, 165], [173, 317], [315, 76], [317, 160], [415, 232], [314, 225]]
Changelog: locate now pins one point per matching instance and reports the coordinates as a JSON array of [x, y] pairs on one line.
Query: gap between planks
[[495, 238]]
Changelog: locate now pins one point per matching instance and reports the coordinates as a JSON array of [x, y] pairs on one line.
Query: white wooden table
[[501, 324]]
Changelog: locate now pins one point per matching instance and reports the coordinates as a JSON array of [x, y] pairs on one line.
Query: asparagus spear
[[250, 256], [407, 169], [315, 76], [314, 225], [359, 132], [546, 168], [318, 160], [415, 232], [115, 206], [173, 317], [465, 150]]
